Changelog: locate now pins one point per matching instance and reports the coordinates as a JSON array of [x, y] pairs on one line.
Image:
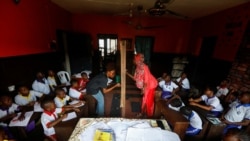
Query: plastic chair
[[64, 77]]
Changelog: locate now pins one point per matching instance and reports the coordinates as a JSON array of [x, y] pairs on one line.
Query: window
[[107, 44]]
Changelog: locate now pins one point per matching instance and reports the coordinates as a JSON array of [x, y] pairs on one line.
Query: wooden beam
[[123, 77]]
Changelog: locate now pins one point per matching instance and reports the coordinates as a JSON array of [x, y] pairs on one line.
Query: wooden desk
[[65, 128], [178, 122], [213, 131]]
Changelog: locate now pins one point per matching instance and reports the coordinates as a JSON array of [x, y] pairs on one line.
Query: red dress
[[145, 80]]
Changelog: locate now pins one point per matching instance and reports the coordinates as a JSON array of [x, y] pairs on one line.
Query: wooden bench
[[176, 120]]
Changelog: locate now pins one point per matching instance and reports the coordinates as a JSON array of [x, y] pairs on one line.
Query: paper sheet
[[37, 107], [23, 123], [70, 116], [150, 134], [74, 102]]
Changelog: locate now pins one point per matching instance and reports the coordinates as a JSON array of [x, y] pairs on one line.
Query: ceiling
[[190, 8]]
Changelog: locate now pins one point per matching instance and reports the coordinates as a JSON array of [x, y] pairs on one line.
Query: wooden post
[[123, 77]]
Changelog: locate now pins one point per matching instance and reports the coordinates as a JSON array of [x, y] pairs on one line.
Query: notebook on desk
[[214, 120], [16, 122]]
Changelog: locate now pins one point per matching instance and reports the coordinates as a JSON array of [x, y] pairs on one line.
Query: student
[[41, 84], [52, 116], [97, 86], [231, 98], [195, 122], [74, 90], [222, 89], [169, 88], [212, 102], [183, 83], [8, 111], [52, 80], [62, 99], [26, 97], [164, 74], [83, 82], [235, 134], [239, 113]]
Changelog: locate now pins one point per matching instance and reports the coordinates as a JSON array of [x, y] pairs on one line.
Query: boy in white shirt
[[212, 102], [52, 116], [168, 87], [195, 122], [222, 89], [74, 90], [41, 84], [26, 97], [51, 80], [239, 113], [61, 99]]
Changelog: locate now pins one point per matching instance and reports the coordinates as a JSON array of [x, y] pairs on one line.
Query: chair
[[64, 77]]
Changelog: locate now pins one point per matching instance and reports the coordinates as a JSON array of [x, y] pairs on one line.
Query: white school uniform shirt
[[10, 110], [47, 118], [221, 91], [41, 87], [74, 93], [52, 82], [238, 112], [185, 83], [61, 102], [195, 120], [24, 100], [213, 101], [167, 87]]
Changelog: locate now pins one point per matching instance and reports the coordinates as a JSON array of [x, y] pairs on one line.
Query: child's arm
[[53, 123], [7, 117], [195, 100], [205, 107], [244, 122]]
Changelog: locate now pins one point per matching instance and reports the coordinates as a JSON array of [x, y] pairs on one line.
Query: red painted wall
[[172, 38], [216, 25], [28, 28]]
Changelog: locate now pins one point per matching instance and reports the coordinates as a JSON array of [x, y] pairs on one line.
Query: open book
[[214, 120]]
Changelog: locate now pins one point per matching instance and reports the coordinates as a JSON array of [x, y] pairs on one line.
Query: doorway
[[144, 45]]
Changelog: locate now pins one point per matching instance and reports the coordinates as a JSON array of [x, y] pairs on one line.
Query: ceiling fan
[[160, 9], [137, 25]]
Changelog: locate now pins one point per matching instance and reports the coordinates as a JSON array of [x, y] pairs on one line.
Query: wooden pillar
[[123, 77]]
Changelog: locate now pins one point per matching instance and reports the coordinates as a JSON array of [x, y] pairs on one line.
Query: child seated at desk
[[168, 87], [212, 102], [73, 90], [195, 124], [239, 113], [8, 110], [52, 116], [62, 99], [83, 82], [26, 97]]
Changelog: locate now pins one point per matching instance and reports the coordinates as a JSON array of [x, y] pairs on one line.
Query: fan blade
[[175, 14]]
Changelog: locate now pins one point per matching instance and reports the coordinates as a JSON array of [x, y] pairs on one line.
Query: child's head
[[74, 83], [186, 111], [39, 75], [175, 104], [84, 75], [167, 78], [60, 93], [184, 75], [232, 96], [51, 73], [23, 90], [224, 83], [245, 98], [209, 91], [48, 104], [235, 134], [5, 101]]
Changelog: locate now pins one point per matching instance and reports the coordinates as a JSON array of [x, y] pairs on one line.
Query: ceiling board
[[189, 8]]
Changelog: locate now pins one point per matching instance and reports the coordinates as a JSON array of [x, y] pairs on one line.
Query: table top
[[83, 123]]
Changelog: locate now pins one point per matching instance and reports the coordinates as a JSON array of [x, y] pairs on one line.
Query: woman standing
[[146, 82]]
